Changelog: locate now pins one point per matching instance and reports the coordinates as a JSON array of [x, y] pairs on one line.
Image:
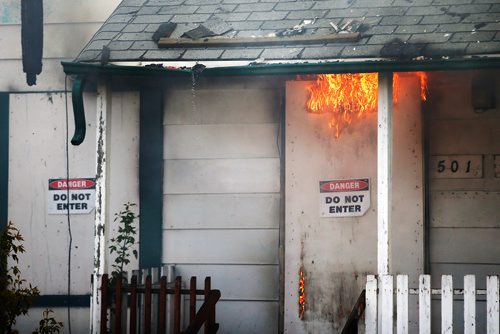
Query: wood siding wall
[[222, 195], [336, 253], [37, 130], [464, 225], [68, 26]]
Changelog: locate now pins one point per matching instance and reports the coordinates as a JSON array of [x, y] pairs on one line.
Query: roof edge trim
[[365, 66]]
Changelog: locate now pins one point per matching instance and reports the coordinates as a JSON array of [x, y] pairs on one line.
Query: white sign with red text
[[81, 198], [344, 198]]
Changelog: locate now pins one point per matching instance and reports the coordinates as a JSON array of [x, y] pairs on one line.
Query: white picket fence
[[380, 298]]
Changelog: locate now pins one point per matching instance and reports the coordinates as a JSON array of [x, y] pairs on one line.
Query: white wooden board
[[221, 246], [68, 39], [34, 129], [222, 201], [237, 282], [221, 141], [124, 162], [459, 270], [222, 176], [456, 166], [458, 315], [240, 317], [79, 319], [465, 245], [465, 209], [59, 11], [313, 154], [221, 211], [13, 79], [480, 136], [10, 35], [223, 106]]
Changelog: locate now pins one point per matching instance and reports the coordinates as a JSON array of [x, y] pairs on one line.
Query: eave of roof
[[85, 71], [287, 68]]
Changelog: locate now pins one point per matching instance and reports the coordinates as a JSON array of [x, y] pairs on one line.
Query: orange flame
[[424, 80], [302, 293], [350, 96]]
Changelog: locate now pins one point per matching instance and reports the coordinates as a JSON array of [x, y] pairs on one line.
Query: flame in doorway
[[351, 96], [424, 80], [302, 293]]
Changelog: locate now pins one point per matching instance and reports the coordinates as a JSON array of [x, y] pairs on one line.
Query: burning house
[[290, 149]]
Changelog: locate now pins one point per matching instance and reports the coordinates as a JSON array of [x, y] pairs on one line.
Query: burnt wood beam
[[257, 41]]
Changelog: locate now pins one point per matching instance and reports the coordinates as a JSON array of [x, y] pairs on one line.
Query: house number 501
[[454, 166], [457, 166]]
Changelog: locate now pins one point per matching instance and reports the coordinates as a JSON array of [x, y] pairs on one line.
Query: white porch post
[[100, 224], [384, 172]]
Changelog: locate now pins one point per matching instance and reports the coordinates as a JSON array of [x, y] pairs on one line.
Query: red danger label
[[344, 185], [63, 184]]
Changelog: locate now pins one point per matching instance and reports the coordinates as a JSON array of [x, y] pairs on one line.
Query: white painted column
[[100, 224], [384, 172]]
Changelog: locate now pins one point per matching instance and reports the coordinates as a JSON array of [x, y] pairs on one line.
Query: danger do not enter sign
[[76, 195], [344, 198]]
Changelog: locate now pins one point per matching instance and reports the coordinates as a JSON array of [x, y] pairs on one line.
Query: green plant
[[48, 325], [16, 295], [124, 240]]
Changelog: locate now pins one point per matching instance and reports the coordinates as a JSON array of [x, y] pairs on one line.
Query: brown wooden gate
[[121, 299]]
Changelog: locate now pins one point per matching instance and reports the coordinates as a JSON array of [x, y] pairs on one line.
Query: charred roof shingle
[[433, 28]]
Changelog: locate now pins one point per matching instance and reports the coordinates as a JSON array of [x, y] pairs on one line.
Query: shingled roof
[[395, 29]]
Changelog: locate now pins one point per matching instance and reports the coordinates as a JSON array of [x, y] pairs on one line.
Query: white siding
[[79, 319], [464, 226], [222, 196], [335, 252], [248, 282], [37, 153], [453, 209], [221, 141], [221, 246], [68, 26], [216, 104], [123, 162], [37, 128], [248, 316], [219, 211], [215, 176]]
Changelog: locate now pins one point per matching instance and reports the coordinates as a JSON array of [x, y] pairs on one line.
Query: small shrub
[[16, 295], [48, 325], [124, 240]]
